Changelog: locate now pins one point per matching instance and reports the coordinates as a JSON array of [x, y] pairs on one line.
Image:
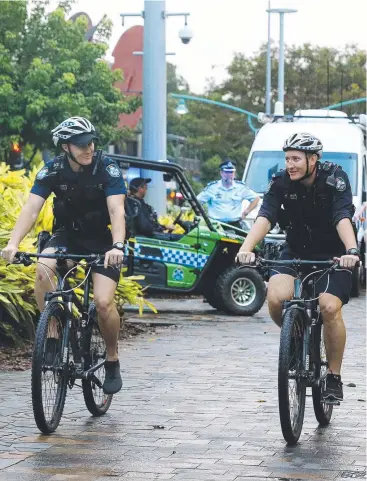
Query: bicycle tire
[[323, 411], [292, 329], [96, 401], [48, 416]]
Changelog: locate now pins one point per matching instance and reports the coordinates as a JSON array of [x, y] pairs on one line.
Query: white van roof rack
[[312, 114]]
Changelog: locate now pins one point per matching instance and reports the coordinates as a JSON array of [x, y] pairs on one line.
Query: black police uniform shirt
[[80, 203], [145, 217], [310, 214]]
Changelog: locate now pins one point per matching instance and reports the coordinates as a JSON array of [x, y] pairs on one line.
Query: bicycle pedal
[[332, 402]]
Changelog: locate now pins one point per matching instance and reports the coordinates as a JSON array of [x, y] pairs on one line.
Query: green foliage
[[48, 72]]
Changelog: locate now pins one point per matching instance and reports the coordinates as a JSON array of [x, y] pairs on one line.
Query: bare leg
[[280, 288], [109, 320], [334, 331]]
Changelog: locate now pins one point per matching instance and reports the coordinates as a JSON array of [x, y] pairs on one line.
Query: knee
[[329, 310], [274, 300], [276, 297], [103, 305], [44, 274]]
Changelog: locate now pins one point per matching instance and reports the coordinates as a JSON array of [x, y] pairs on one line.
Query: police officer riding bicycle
[[312, 201], [89, 196]]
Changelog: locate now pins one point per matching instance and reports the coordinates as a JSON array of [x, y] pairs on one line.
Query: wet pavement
[[199, 402]]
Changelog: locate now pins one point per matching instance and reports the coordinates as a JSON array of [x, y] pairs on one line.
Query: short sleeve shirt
[[226, 204]]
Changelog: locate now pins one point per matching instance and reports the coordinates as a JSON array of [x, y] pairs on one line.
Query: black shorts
[[80, 245], [340, 280]]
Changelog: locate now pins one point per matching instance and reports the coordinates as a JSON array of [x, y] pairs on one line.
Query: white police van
[[343, 138]]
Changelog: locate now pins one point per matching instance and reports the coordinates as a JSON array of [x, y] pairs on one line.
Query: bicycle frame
[[68, 299], [307, 307]]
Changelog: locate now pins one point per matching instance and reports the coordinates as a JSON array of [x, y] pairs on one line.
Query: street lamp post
[[268, 69], [281, 12], [155, 93]]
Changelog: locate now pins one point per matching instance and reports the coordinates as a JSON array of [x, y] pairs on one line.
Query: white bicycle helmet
[[304, 142], [75, 130]]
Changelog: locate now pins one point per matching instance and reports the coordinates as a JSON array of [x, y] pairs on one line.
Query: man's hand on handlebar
[[244, 257], [8, 253], [348, 261], [113, 258]]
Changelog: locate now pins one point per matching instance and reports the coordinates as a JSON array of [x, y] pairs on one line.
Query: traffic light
[[15, 159]]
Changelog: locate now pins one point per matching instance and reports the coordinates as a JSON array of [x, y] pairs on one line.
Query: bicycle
[[68, 346], [302, 356]]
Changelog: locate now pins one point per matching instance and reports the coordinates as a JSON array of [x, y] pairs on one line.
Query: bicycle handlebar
[[25, 257], [295, 262]]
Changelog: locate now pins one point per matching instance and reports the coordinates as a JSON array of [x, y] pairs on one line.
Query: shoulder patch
[[212, 183], [326, 165], [340, 184], [113, 170], [42, 173]]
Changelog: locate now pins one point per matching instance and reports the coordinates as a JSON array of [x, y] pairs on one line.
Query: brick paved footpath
[[211, 382]]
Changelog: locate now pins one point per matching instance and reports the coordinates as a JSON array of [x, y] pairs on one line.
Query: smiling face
[[296, 163], [82, 153]]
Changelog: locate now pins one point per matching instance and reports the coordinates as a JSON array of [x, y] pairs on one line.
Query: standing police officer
[[90, 195], [313, 202], [224, 197]]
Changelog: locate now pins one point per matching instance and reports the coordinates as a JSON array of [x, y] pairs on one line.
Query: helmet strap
[[308, 173], [71, 157]]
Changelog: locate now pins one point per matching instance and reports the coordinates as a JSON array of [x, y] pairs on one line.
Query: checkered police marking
[[175, 256]]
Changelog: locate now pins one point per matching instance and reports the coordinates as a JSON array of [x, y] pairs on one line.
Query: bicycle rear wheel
[[49, 369], [291, 386], [323, 411], [96, 400]]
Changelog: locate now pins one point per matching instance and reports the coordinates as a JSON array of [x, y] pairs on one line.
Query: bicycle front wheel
[[96, 400], [49, 369], [323, 411], [291, 386]]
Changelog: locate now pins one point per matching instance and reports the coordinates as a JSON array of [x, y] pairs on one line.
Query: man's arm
[[24, 224], [116, 209], [250, 207], [252, 197], [257, 233], [346, 234], [342, 217]]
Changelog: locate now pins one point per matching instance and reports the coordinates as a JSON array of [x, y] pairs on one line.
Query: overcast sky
[[221, 28]]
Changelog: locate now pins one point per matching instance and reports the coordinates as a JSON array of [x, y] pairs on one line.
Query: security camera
[[185, 34]]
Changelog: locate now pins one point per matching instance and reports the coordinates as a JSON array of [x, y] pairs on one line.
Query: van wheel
[[241, 290], [355, 282]]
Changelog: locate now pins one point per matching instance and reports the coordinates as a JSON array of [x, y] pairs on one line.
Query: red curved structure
[[132, 66]]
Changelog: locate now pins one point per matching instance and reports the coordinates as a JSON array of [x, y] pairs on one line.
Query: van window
[[263, 164]]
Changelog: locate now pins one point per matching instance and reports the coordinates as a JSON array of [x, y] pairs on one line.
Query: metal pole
[[281, 59], [155, 98], [268, 69]]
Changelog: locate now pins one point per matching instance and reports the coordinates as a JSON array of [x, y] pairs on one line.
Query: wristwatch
[[353, 252], [119, 246]]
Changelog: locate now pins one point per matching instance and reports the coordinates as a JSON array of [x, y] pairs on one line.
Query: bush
[[18, 307]]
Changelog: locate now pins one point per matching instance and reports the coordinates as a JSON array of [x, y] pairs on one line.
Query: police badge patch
[[113, 170], [42, 173], [340, 184]]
